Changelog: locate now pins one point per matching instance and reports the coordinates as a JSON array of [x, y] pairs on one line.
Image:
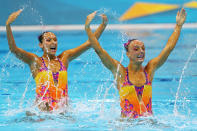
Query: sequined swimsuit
[[129, 101], [46, 89]]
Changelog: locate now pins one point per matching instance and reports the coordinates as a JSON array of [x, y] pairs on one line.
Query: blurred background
[[63, 12]]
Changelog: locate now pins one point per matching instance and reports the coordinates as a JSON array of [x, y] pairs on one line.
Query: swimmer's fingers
[[90, 17], [13, 16], [104, 17], [183, 13], [181, 16], [178, 14]]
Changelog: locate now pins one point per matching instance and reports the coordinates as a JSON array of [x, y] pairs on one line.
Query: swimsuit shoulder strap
[[147, 78], [62, 68], [127, 77], [43, 65]]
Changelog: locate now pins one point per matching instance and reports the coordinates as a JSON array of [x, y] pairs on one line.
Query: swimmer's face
[[136, 51], [49, 43]]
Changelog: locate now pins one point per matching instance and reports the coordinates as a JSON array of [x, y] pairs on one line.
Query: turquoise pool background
[[93, 97], [60, 12]]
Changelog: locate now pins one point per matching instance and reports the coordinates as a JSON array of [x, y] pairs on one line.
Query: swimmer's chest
[[53, 65]]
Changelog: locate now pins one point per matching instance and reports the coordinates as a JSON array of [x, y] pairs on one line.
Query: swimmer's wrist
[[179, 25], [104, 23], [87, 26], [7, 23]]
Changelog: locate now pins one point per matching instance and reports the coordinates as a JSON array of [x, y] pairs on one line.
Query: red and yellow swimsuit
[[47, 91], [129, 102]]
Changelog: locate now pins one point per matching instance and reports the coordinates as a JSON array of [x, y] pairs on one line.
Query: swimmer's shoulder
[[122, 73], [150, 71], [65, 54], [36, 64]]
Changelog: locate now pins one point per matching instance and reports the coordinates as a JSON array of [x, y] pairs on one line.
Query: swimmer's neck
[[135, 67], [49, 57]]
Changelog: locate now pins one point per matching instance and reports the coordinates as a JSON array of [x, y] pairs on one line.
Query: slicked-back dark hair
[[40, 37], [126, 45]]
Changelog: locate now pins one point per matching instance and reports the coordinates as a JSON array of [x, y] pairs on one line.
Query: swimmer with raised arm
[[134, 82], [49, 71]]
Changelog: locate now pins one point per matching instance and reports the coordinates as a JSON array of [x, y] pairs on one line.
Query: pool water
[[94, 99]]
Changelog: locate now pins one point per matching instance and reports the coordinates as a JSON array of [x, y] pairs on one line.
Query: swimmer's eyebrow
[[138, 46], [48, 37]]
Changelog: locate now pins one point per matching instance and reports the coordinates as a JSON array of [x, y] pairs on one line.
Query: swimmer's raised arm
[[155, 63], [20, 53], [75, 52], [106, 59]]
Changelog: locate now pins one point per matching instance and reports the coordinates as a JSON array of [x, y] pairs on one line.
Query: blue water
[[94, 98]]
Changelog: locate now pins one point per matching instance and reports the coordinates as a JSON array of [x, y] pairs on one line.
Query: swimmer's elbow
[[13, 50]]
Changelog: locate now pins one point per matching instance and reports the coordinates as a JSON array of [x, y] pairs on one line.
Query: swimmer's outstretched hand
[[105, 20], [13, 16], [180, 18], [90, 17]]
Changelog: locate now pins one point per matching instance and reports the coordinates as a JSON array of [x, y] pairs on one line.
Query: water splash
[[28, 7], [181, 79], [113, 84], [25, 7], [3, 70], [109, 12], [102, 11], [23, 96]]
